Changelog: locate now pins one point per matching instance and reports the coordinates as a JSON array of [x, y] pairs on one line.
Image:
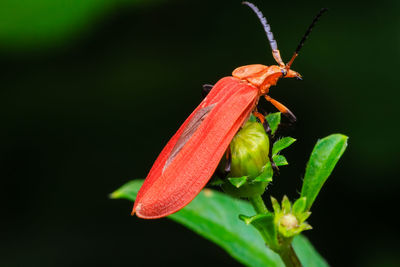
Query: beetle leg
[[271, 140], [281, 108], [265, 124], [259, 116], [274, 167], [206, 89], [268, 132]]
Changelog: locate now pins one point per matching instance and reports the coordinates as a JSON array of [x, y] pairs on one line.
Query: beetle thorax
[[263, 77], [260, 76]]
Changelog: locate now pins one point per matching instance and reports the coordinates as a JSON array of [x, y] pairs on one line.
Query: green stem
[[258, 204], [289, 256]]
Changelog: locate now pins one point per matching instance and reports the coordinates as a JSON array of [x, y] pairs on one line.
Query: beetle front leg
[[260, 116], [282, 108]]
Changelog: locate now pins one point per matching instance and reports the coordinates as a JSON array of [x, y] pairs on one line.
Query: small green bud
[[249, 157], [289, 221]]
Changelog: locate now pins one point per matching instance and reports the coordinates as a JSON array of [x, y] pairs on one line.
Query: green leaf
[[286, 205], [214, 216], [282, 144], [238, 181], [128, 190], [266, 175], [273, 120], [306, 253], [323, 159], [279, 160], [264, 223]]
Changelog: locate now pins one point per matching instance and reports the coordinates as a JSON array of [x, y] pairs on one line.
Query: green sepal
[[275, 205], [282, 144], [273, 120], [279, 160], [303, 216], [288, 233], [238, 181], [246, 190], [299, 206], [266, 175], [264, 223], [286, 206], [301, 228]]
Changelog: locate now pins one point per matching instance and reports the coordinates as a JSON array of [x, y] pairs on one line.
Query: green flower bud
[[249, 150], [290, 219], [249, 155]]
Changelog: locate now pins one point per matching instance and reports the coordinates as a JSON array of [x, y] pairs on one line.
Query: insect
[[191, 156]]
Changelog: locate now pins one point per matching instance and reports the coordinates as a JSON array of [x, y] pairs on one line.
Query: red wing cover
[[191, 156]]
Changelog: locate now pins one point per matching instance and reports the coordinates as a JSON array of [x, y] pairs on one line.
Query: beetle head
[[262, 76]]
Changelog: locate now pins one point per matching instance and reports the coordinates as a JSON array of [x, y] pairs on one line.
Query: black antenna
[[322, 11], [267, 29], [303, 40]]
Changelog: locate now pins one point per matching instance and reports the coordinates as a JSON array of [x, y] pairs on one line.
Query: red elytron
[[191, 156]]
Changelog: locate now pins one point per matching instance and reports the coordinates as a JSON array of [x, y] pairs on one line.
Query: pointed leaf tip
[[114, 195], [238, 181], [286, 205], [273, 119], [128, 190], [282, 144], [275, 205], [279, 160], [266, 174]]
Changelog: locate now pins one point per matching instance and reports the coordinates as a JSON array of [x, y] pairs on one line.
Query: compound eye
[[284, 72]]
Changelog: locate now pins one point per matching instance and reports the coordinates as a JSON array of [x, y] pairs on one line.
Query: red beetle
[[191, 156]]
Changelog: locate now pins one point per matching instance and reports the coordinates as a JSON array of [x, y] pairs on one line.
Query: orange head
[[263, 76]]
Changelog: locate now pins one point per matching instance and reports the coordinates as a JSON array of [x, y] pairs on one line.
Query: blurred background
[[92, 90]]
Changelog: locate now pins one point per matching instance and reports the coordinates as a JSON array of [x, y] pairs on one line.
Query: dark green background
[[90, 93]]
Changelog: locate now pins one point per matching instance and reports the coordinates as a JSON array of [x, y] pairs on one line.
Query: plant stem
[[258, 204], [289, 257]]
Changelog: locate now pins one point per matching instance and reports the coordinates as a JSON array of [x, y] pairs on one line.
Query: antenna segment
[[267, 29]]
